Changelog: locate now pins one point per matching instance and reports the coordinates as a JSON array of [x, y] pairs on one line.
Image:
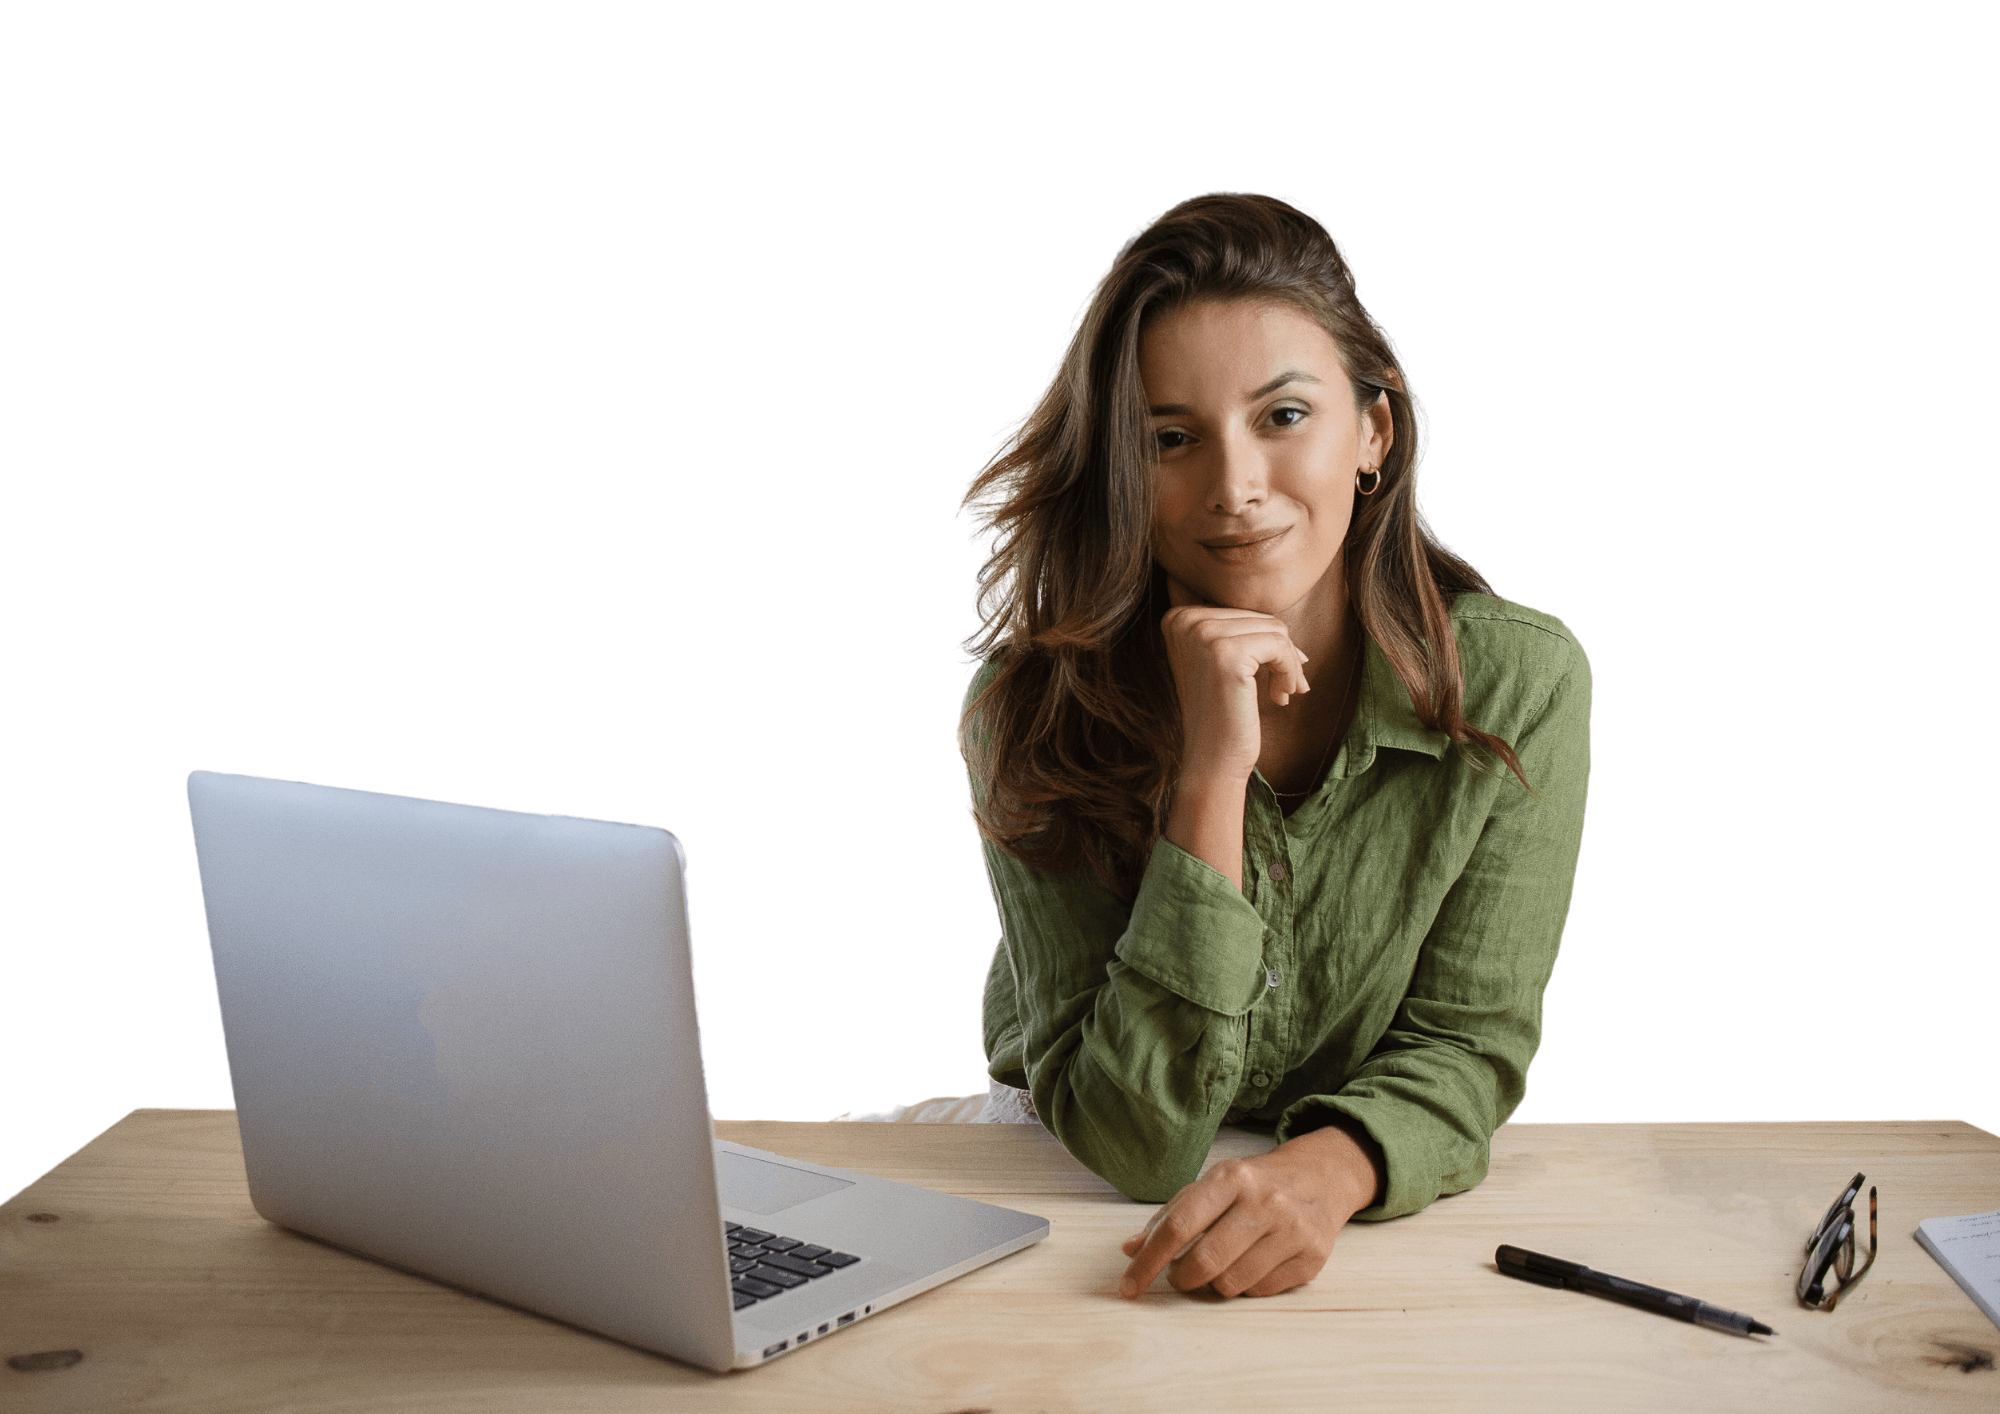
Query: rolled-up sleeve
[[1453, 1064], [1131, 1021]]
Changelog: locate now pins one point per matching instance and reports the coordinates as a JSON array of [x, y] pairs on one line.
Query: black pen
[[1553, 1271]]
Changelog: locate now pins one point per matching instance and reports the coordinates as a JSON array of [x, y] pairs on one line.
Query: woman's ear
[[1378, 430]]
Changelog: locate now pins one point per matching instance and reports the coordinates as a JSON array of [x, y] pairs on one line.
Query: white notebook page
[[1968, 1248]]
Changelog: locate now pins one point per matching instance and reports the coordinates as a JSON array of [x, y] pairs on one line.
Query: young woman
[[1281, 805]]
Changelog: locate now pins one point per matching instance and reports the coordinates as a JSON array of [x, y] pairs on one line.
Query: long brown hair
[[1075, 742]]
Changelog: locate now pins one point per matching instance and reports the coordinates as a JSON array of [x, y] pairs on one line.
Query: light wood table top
[[142, 1253]]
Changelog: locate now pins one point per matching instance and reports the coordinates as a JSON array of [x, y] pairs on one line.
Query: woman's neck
[[1320, 624]]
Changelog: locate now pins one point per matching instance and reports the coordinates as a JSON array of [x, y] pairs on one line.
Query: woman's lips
[[1245, 548]]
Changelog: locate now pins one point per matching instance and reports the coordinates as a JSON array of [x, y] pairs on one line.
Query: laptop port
[[802, 1336], [824, 1326], [771, 1350], [845, 1320]]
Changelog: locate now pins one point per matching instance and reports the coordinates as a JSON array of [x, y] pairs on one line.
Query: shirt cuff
[[1194, 933]]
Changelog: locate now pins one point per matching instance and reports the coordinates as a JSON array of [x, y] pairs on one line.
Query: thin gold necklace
[[1353, 687]]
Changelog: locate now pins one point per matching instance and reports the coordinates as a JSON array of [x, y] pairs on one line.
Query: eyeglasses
[[1831, 1249]]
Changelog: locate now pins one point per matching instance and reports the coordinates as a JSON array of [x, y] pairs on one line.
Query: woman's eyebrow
[[1290, 375]]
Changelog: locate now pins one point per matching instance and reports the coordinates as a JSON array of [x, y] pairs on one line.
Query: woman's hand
[[1216, 655], [1258, 1226]]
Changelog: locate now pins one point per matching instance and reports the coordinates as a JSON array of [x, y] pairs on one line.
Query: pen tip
[[1759, 1328]]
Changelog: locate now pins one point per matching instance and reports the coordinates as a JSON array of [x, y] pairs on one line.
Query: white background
[[566, 408]]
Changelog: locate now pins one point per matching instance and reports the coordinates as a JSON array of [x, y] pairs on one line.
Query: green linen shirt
[[1384, 960]]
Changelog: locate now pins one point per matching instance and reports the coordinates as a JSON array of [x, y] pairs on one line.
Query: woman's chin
[[1261, 594]]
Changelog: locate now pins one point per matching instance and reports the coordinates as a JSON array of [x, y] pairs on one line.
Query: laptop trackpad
[[760, 1186]]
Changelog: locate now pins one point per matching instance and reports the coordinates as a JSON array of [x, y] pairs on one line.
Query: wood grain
[[141, 1252]]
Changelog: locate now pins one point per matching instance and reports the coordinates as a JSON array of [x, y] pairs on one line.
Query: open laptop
[[463, 1042]]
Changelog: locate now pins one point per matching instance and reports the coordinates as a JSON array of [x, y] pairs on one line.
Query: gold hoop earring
[[1374, 475]]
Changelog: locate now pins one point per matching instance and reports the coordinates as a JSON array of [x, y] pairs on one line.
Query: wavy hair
[[1075, 741]]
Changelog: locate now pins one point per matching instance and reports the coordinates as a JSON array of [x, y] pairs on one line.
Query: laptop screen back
[[463, 1041]]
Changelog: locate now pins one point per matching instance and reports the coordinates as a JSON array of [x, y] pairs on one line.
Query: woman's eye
[[1288, 417], [1172, 437]]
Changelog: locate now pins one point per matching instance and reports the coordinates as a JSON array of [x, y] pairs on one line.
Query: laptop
[[463, 1042]]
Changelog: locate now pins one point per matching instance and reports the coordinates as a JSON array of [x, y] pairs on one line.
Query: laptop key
[[740, 1265], [780, 1244], [808, 1253], [745, 1249], [728, 1226], [838, 1259], [784, 1261], [777, 1277], [742, 1300], [750, 1234], [750, 1286]]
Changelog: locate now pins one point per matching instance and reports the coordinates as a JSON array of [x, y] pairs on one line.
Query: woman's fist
[[1221, 658]]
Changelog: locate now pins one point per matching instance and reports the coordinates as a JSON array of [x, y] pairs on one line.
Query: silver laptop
[[463, 1042]]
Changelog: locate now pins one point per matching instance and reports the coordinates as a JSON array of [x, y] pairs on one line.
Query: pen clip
[[1524, 1265], [1508, 1269]]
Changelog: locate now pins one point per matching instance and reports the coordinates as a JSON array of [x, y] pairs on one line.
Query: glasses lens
[[1840, 1204], [1830, 1253], [1812, 1276]]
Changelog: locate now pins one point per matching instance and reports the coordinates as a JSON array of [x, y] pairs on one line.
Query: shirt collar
[[1385, 717]]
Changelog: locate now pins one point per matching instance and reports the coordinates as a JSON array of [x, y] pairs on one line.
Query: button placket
[[1264, 843], [1266, 835]]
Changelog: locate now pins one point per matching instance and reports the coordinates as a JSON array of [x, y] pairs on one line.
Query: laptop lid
[[463, 1041]]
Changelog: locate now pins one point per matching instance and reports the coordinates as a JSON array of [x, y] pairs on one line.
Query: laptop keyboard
[[763, 1265]]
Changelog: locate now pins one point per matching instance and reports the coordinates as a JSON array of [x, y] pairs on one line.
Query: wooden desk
[[142, 1252]]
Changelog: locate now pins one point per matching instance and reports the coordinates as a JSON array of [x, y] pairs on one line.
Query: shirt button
[[1278, 871], [1261, 1079]]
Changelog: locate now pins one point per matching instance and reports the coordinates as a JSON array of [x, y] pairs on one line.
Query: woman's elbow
[[1143, 1158]]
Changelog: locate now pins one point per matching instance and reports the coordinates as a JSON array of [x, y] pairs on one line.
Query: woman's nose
[[1239, 480]]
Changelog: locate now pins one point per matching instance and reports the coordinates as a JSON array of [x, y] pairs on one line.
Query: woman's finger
[[1229, 1239], [1265, 638], [1212, 613], [1254, 1263], [1295, 1271], [1241, 653], [1178, 1224]]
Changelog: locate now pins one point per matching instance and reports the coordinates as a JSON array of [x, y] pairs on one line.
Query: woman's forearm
[[1131, 1017]]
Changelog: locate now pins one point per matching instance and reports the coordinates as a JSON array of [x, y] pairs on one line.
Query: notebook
[[1969, 1249]]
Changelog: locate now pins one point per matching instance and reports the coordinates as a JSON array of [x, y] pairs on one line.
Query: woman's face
[[1259, 444]]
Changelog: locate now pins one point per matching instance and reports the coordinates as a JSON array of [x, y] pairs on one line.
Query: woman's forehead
[[1232, 349]]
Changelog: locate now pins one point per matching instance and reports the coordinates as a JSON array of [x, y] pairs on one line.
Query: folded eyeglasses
[[1830, 1250]]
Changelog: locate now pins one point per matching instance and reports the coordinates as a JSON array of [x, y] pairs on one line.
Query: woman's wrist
[[1351, 1160], [1207, 822]]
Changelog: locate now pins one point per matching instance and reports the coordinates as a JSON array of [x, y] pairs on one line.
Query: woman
[[1281, 805]]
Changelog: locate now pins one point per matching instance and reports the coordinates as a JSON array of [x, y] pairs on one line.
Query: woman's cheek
[[1172, 506]]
